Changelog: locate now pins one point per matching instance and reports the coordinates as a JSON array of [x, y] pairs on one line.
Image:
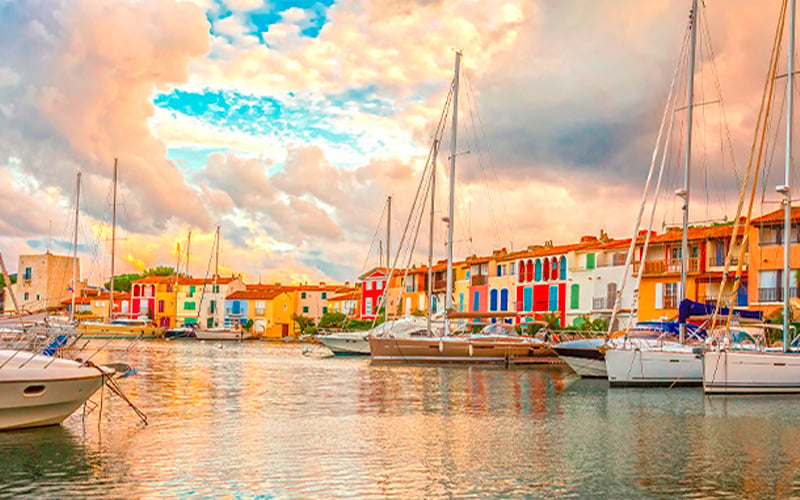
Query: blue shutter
[[504, 299], [476, 299], [493, 300]]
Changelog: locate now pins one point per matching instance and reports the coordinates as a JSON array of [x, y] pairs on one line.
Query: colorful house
[[312, 300], [155, 297], [765, 286], [270, 308], [659, 292], [199, 299], [372, 285], [413, 291], [501, 278], [345, 301]]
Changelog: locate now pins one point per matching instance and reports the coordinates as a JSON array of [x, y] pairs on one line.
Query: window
[[324, 295], [553, 302], [212, 306], [546, 268], [215, 289], [512, 269], [27, 296], [563, 268], [493, 296], [476, 300], [499, 270], [574, 296], [303, 295], [324, 310], [534, 271], [504, 299], [236, 307], [461, 302], [305, 309], [28, 273], [367, 305], [161, 306], [667, 295], [192, 289], [210, 323], [589, 261]]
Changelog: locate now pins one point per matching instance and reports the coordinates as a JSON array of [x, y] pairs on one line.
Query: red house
[[373, 285]]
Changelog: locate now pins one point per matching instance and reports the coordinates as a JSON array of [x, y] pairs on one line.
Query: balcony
[[439, 284], [668, 266], [602, 303], [774, 294], [478, 280]]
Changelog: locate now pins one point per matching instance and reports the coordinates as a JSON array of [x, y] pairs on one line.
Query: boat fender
[[441, 346], [470, 350]]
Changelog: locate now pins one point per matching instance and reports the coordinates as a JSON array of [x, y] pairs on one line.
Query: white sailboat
[[215, 331], [751, 367], [647, 362]]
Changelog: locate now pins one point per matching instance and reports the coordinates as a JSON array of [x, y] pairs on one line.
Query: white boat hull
[[587, 368], [653, 367], [743, 372], [38, 390], [222, 335], [346, 345]]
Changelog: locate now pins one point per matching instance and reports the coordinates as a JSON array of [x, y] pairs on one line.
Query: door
[[284, 330]]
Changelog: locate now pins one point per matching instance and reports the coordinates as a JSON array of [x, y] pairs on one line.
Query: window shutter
[[659, 295]]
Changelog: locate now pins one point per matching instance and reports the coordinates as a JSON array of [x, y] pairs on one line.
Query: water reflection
[[262, 419]]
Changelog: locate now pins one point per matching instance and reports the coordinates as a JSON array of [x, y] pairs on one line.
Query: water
[[263, 420]]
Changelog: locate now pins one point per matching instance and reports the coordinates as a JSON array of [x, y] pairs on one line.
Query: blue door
[[527, 299], [504, 300], [493, 300], [741, 297], [553, 306]]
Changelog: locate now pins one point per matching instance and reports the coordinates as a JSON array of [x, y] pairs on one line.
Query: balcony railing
[[439, 284], [602, 303], [667, 266], [478, 280], [774, 294]]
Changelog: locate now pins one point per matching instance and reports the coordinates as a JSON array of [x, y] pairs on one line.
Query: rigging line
[[772, 145], [629, 257], [470, 103], [374, 237], [715, 74], [492, 164]]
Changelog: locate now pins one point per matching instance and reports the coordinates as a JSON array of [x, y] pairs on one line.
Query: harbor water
[[257, 419]]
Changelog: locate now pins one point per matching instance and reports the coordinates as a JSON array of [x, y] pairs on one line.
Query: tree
[[303, 322], [12, 277], [249, 325], [332, 320], [160, 271], [124, 282]]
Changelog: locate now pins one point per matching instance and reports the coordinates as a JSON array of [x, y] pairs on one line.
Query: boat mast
[[786, 188], [75, 248], [214, 288], [388, 253], [188, 244], [430, 232], [684, 193], [453, 145], [10, 291], [113, 241]]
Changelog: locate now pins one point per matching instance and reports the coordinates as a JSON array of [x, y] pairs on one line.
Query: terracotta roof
[[695, 234], [776, 217], [543, 251], [78, 300], [156, 279], [221, 280], [381, 270], [117, 296], [256, 294], [347, 296]]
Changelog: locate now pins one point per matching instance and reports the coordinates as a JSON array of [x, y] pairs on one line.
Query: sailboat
[[644, 361], [740, 362], [496, 343], [117, 328], [214, 331], [38, 389]]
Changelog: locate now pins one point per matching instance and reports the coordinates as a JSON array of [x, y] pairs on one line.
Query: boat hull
[[37, 390], [452, 350], [341, 345], [584, 357], [222, 335], [750, 372], [101, 331], [653, 367]]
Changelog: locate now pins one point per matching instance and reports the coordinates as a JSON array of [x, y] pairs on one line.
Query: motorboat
[[181, 332], [357, 342], [584, 356], [38, 390], [222, 334]]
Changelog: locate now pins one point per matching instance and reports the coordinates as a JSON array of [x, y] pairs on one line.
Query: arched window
[[547, 269], [554, 272], [529, 271], [493, 300], [563, 266], [504, 299], [538, 270], [521, 271]]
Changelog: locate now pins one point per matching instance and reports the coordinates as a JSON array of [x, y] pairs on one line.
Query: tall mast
[[216, 274], [388, 254], [75, 248], [453, 145], [113, 241], [188, 244], [430, 233], [787, 268], [688, 160]]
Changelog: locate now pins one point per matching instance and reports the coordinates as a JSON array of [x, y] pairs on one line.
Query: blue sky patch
[[191, 156]]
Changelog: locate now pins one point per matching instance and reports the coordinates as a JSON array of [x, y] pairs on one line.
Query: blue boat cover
[[689, 308], [55, 345]]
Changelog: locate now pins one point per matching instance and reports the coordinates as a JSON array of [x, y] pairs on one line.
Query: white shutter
[[659, 295]]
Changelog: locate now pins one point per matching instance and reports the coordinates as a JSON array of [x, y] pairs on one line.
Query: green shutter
[[575, 297], [324, 295], [324, 310], [305, 309], [589, 261], [213, 306]]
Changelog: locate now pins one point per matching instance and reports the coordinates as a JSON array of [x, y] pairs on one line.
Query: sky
[[288, 123]]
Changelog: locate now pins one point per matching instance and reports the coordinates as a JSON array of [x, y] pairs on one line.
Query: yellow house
[[659, 292], [765, 260], [269, 307], [461, 286]]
